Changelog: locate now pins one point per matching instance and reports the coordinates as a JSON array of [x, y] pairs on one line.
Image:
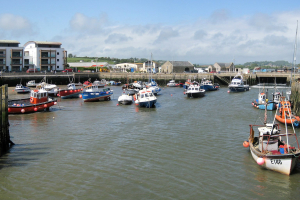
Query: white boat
[[145, 98], [22, 89], [237, 84], [274, 150], [100, 84], [138, 85], [125, 99], [31, 83], [172, 84], [195, 91]]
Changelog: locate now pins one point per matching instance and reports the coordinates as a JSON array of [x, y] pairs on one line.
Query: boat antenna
[[295, 51]]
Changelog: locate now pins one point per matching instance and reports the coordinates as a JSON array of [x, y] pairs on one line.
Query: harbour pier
[[224, 78]]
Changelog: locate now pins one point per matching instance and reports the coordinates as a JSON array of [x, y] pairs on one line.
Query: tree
[[70, 55]]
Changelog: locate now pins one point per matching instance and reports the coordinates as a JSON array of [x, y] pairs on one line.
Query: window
[[57, 67], [57, 60], [57, 53]]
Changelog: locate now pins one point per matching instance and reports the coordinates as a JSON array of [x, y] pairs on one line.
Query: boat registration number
[[276, 162]]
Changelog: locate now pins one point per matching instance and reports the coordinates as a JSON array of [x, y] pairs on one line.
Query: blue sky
[[202, 32]]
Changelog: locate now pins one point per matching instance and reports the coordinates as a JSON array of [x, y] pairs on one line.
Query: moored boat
[[237, 84], [31, 83], [285, 114], [262, 102], [70, 92], [22, 89], [208, 86], [38, 101], [93, 93], [195, 91], [172, 84], [145, 98], [272, 149], [125, 99]]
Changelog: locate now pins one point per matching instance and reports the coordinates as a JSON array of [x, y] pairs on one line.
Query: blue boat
[[208, 86], [93, 93]]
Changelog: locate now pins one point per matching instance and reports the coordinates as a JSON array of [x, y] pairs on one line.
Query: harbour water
[[182, 149]]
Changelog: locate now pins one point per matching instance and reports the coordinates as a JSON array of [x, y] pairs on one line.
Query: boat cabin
[[262, 98], [38, 96], [268, 138]]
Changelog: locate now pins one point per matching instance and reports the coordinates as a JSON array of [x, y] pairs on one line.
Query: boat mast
[[295, 51]]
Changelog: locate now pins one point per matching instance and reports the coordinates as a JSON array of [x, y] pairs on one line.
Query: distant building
[[177, 67], [97, 65], [148, 65], [126, 67], [11, 56], [224, 67], [44, 56]]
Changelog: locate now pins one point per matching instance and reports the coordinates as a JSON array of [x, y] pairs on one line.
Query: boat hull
[[282, 163], [270, 106], [238, 89], [23, 106], [68, 94], [295, 122], [209, 87], [96, 96], [125, 102], [195, 94], [147, 104]]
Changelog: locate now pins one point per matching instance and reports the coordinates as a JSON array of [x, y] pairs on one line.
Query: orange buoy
[[22, 110], [45, 105], [35, 109], [246, 144]]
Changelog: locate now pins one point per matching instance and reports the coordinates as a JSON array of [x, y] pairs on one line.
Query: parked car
[[68, 70], [31, 70]]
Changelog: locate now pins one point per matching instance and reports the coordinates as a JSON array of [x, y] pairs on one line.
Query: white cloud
[[13, 26], [219, 38]]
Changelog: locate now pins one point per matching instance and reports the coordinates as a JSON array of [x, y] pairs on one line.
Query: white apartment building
[[11, 55], [44, 56], [125, 67]]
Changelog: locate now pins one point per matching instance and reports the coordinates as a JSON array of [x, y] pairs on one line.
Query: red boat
[[70, 92], [38, 101]]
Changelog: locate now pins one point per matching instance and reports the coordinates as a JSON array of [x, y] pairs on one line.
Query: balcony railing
[[45, 62], [28, 62], [16, 63], [16, 55], [2, 55], [2, 62]]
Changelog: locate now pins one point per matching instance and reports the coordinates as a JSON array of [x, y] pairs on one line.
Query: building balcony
[[2, 55], [16, 63], [2, 62]]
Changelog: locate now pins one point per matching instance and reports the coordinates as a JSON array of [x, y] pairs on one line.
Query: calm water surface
[[182, 149]]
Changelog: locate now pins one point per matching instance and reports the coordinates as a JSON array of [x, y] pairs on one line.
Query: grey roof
[[44, 42], [181, 63], [226, 65], [10, 41]]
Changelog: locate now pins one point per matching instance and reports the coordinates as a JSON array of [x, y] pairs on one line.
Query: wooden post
[[4, 125]]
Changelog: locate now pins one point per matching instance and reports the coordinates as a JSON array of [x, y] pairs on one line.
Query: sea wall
[[295, 97]]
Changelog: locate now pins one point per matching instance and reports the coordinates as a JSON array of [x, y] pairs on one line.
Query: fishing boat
[[195, 91], [70, 92], [285, 114], [272, 149], [145, 98], [87, 83], [237, 84], [98, 83], [125, 99], [38, 101], [262, 102], [138, 85], [208, 86], [172, 84], [20, 89], [187, 84], [92, 93], [31, 83]]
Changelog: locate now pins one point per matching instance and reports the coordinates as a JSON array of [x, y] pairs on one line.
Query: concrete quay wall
[[222, 78]]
